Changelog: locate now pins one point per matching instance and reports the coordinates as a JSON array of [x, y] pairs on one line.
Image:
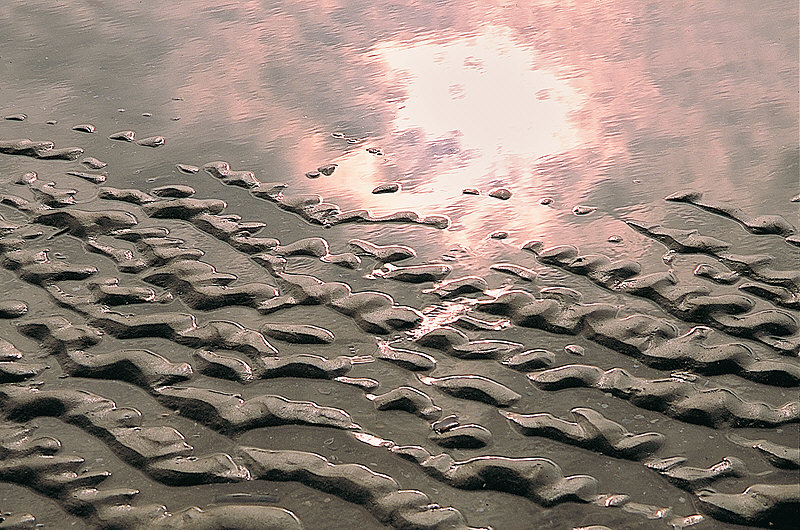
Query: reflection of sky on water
[[485, 92], [480, 109], [572, 100]]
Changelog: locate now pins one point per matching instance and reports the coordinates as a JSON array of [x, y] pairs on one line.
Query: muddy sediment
[[722, 361]]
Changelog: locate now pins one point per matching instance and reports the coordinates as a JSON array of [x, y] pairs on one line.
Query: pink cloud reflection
[[476, 110]]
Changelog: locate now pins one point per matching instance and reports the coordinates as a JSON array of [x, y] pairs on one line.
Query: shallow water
[[589, 115]]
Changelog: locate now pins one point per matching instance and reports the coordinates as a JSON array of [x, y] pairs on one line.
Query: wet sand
[[205, 328]]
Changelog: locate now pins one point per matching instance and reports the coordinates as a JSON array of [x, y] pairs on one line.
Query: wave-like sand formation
[[123, 302]]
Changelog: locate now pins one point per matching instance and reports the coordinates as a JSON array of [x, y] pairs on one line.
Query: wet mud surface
[[193, 338], [462, 387]]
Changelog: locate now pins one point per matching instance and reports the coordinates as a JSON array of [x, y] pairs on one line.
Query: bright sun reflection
[[473, 110], [489, 93]]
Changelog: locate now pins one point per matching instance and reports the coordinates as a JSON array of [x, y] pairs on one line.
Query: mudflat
[[458, 265]]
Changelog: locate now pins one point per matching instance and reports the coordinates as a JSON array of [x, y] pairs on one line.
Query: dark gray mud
[[314, 308]]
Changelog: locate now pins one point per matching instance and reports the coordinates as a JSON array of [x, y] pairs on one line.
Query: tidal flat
[[441, 265]]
